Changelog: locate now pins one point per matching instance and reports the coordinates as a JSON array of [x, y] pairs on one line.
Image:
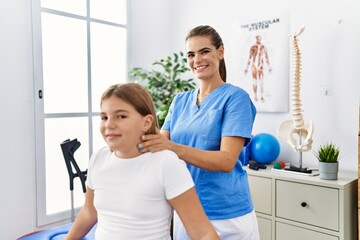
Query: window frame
[[36, 10]]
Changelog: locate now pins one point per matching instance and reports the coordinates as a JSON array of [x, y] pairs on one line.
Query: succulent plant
[[328, 152]]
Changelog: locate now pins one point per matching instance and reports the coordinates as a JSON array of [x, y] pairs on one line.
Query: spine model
[[298, 131], [298, 119]]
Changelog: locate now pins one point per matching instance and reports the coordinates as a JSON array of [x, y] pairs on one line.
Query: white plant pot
[[328, 171]]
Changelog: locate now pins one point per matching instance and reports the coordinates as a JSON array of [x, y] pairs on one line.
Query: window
[[80, 48]]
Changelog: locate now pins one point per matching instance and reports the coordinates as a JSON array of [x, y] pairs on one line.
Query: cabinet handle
[[303, 204]]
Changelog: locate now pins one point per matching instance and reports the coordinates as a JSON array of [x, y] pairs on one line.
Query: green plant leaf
[[165, 83]]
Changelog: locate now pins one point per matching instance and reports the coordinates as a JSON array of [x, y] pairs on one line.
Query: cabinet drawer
[[314, 205], [286, 232], [260, 189], [264, 228]]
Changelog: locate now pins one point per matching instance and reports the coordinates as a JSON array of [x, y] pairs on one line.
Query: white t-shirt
[[130, 195]]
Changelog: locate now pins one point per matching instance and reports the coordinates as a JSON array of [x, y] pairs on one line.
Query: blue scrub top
[[226, 111]]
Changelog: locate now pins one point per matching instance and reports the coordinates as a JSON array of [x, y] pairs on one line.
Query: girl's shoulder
[[100, 153], [166, 155]]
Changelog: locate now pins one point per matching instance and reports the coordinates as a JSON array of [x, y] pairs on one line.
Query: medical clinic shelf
[[301, 207]]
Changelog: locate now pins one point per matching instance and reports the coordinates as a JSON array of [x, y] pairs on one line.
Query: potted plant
[[328, 156], [165, 83]]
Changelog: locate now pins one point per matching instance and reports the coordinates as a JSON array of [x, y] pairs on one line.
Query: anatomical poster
[[259, 61]]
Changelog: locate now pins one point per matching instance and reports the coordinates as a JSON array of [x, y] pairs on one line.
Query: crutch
[[68, 148]]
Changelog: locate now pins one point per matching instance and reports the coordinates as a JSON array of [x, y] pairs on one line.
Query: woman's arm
[[192, 215], [223, 160], [85, 220]]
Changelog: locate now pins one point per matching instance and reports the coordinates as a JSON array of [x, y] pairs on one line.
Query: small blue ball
[[264, 148]]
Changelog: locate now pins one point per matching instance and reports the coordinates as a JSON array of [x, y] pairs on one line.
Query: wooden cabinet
[[299, 233], [293, 206]]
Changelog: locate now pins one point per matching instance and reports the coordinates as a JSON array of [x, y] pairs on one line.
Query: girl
[[132, 195]]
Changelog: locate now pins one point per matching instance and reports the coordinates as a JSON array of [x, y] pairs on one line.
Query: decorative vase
[[328, 171]]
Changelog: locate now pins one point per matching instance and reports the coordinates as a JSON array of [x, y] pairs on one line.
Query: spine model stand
[[298, 131]]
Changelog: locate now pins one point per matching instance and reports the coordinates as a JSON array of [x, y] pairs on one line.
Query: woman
[[131, 195], [207, 128]]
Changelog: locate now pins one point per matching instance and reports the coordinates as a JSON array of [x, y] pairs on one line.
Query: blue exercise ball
[[264, 148]]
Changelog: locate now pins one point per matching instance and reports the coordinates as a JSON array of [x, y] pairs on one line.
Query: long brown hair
[[205, 30], [137, 96]]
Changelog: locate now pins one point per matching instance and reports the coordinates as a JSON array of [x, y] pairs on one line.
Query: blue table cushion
[[57, 233]]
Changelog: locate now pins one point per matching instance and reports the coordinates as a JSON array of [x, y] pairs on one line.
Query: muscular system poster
[[261, 58]]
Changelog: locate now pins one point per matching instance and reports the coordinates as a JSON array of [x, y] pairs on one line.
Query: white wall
[[150, 31], [330, 56]]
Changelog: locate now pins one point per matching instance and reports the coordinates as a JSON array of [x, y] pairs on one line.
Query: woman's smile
[[201, 68]]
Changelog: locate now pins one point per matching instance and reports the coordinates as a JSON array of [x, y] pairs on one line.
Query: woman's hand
[[156, 142], [223, 160]]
